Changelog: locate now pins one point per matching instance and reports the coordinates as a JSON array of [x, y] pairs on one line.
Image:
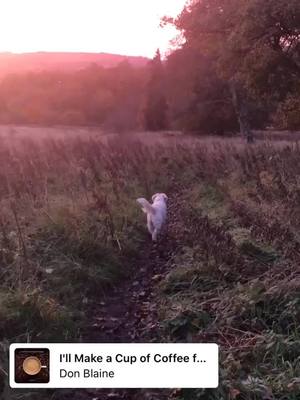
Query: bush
[[287, 115]]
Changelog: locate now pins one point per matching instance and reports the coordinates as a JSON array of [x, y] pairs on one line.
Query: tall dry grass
[[70, 229]]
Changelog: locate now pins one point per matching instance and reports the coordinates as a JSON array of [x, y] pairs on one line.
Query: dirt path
[[128, 313]]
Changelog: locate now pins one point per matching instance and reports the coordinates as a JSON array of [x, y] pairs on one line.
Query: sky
[[129, 27]]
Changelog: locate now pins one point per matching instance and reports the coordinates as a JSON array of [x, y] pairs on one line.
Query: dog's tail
[[146, 206]]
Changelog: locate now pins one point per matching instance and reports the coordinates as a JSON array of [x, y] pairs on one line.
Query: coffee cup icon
[[32, 365]]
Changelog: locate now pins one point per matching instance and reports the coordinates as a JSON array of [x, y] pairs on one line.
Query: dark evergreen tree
[[155, 110]]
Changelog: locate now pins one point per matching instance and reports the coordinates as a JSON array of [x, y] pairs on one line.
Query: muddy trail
[[128, 313]]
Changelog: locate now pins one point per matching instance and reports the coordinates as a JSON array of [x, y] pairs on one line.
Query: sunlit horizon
[[126, 27]]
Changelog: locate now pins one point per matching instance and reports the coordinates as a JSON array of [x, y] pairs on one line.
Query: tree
[[155, 109], [195, 93], [255, 45]]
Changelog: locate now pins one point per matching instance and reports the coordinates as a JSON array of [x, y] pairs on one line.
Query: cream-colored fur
[[156, 213]]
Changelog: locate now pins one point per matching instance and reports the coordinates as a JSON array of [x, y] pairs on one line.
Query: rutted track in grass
[[210, 291], [128, 313]]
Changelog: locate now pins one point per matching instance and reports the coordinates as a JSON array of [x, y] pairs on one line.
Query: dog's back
[[160, 207]]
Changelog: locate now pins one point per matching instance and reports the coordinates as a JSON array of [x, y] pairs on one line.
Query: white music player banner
[[87, 365]]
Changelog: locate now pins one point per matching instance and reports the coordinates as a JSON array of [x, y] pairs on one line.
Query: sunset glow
[[129, 27]]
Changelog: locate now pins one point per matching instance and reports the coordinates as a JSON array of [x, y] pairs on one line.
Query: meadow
[[227, 271]]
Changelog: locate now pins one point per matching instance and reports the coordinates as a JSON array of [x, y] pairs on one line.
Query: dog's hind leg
[[150, 225], [154, 235]]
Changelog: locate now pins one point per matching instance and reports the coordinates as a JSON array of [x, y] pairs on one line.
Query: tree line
[[236, 68]]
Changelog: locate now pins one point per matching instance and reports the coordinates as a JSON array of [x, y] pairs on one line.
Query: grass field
[[70, 231]]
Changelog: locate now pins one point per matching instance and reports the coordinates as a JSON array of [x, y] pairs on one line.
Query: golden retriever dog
[[156, 213]]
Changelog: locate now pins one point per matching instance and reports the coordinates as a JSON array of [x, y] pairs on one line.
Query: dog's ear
[[159, 194], [154, 196]]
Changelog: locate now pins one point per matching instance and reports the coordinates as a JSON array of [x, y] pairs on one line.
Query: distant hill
[[15, 63]]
